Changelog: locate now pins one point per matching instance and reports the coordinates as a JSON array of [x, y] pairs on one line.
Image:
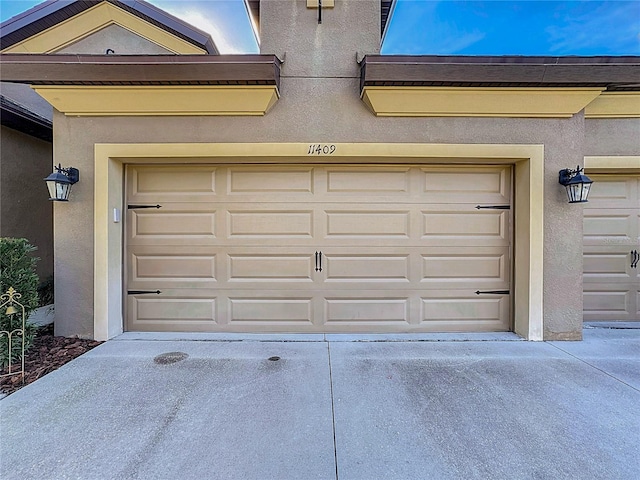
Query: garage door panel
[[607, 264], [465, 226], [367, 181], [483, 185], [464, 306], [606, 227], [168, 225], [467, 267], [176, 312], [174, 184], [366, 310], [614, 191], [269, 224], [372, 267], [270, 180], [371, 224], [613, 304], [265, 310], [261, 267], [173, 268]]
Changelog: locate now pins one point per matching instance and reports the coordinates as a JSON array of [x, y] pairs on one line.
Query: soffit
[[500, 86], [130, 85]]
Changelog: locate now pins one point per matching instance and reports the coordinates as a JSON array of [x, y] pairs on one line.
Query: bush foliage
[[17, 270]]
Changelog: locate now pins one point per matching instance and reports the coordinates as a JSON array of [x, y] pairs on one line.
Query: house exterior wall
[[320, 103], [612, 137], [24, 210], [562, 140], [118, 39]]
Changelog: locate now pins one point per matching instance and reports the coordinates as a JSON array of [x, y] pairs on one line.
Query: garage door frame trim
[[528, 179]]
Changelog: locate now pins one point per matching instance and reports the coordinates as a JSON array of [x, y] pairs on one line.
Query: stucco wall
[[320, 104], [612, 137], [25, 210], [116, 38], [337, 115]]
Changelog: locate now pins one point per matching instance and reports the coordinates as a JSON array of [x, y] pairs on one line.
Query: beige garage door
[[318, 249], [611, 236]]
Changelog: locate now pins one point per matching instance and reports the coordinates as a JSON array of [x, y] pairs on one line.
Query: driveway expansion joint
[[594, 367]]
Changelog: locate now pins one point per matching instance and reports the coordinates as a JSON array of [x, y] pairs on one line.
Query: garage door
[[318, 249], [611, 236]]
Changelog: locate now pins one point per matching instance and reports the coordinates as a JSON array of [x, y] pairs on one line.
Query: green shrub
[[45, 292], [17, 270]]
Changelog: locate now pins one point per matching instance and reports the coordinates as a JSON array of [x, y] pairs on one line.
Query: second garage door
[[611, 249], [318, 249]]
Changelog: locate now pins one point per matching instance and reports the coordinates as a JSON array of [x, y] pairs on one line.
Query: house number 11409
[[321, 149]]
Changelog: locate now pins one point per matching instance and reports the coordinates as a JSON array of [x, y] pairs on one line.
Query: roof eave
[[140, 69], [612, 73], [15, 116]]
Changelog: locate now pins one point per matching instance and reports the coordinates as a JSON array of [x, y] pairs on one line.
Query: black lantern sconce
[[60, 181], [577, 184]]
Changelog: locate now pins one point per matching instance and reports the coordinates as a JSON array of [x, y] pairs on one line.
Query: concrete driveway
[[485, 407]]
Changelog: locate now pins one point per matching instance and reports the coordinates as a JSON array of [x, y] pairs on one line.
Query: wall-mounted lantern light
[[60, 181], [576, 183]]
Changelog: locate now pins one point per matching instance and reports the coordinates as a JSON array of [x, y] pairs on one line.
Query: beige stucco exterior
[[24, 162], [320, 104]]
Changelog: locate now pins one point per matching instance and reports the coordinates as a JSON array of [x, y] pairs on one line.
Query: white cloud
[[613, 24], [209, 16], [218, 33]]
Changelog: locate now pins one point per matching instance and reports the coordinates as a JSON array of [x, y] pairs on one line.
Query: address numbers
[[321, 149]]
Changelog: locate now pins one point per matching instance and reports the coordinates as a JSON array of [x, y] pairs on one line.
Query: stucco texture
[[319, 111], [612, 137], [116, 38], [320, 104], [25, 211]]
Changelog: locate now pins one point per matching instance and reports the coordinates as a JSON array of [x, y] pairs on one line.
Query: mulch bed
[[48, 353]]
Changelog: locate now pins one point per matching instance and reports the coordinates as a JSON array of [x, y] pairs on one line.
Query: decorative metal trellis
[[13, 307]]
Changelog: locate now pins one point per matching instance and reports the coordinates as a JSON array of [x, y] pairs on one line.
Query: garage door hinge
[[131, 207], [493, 207], [493, 292], [143, 292]]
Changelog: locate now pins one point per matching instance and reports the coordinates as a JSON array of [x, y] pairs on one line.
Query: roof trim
[[50, 13], [17, 117], [613, 73], [115, 70]]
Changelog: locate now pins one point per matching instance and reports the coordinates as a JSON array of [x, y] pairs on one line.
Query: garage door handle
[[635, 257], [493, 207], [493, 292], [143, 292], [318, 261], [135, 207]]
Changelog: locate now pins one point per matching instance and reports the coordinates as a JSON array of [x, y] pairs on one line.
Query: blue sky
[[446, 27]]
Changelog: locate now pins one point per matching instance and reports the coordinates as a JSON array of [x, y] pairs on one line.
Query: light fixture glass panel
[[585, 192], [51, 185], [62, 191]]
